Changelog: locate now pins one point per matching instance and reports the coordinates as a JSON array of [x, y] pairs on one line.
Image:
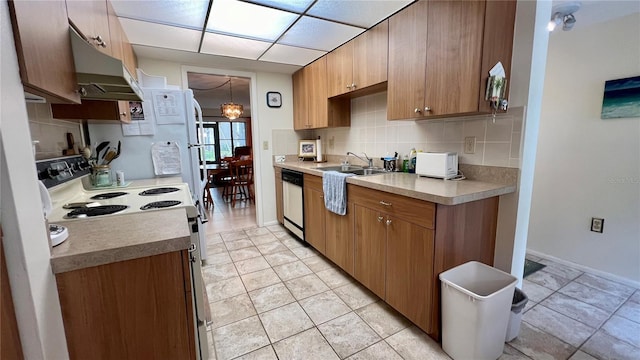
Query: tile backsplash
[[497, 143], [51, 133]]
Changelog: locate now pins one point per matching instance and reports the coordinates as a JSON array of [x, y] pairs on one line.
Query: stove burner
[[160, 204], [95, 211], [158, 191], [109, 195]]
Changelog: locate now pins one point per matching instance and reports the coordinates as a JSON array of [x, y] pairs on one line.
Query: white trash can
[[476, 305]]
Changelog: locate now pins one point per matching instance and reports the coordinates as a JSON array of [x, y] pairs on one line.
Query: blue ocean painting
[[621, 98]]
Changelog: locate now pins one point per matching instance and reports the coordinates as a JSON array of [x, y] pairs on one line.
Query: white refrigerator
[[168, 116]]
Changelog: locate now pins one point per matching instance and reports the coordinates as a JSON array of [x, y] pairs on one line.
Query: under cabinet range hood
[[100, 76]]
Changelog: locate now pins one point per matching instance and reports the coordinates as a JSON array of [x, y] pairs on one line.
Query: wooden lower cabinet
[[397, 246], [134, 309], [314, 218], [370, 249], [329, 233], [409, 270], [339, 238], [279, 203]]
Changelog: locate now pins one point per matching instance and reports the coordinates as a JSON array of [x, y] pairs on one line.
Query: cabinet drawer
[[313, 182], [418, 212]]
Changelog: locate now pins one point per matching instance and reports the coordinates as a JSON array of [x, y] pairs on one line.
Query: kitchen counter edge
[[445, 192], [110, 239]]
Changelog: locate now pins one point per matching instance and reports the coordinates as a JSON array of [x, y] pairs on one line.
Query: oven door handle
[[201, 213]]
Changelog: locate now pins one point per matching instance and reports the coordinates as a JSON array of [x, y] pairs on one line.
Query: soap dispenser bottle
[[412, 160]]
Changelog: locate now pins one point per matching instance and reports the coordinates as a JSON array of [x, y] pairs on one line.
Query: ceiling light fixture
[[230, 110], [563, 14]]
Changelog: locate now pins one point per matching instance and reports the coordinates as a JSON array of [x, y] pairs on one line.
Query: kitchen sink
[[341, 168], [357, 170]]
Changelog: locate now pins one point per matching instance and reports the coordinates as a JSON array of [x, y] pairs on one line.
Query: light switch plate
[[265, 145]]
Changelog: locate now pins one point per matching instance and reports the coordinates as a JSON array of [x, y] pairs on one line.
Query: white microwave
[[442, 165]]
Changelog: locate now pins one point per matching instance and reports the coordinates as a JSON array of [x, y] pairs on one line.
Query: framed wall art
[[307, 148], [621, 98]]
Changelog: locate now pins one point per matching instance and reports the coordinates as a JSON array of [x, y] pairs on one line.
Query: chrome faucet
[[369, 160]]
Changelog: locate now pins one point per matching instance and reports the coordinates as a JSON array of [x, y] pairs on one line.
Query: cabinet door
[[43, 46], [316, 87], [279, 208], [454, 56], [90, 18], [300, 108], [314, 221], [339, 235], [409, 270], [370, 56], [340, 70], [370, 249], [120, 46], [93, 110], [134, 309], [407, 62]]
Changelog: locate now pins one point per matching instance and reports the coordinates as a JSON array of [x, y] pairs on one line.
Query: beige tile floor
[[224, 217], [272, 298]]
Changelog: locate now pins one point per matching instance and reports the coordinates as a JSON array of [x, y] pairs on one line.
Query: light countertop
[[109, 239], [445, 192]]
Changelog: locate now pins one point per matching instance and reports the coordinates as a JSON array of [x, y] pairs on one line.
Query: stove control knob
[[52, 173], [73, 168]]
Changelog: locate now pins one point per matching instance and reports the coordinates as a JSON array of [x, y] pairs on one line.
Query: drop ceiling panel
[[183, 13], [297, 6], [248, 20], [291, 55], [364, 13], [217, 44], [318, 34], [164, 36]]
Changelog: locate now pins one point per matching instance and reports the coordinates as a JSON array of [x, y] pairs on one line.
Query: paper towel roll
[[318, 149]]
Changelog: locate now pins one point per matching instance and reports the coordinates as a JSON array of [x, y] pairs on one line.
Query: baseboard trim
[[603, 274]]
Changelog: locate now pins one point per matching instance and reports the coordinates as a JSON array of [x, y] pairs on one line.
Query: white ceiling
[[290, 32]]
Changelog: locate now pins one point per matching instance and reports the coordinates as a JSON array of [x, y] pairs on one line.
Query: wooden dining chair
[[242, 180]]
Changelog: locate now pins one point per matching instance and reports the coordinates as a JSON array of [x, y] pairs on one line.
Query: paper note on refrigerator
[[168, 107], [166, 158]]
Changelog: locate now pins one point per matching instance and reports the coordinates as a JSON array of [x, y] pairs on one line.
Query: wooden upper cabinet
[[316, 84], [370, 56], [90, 18], [454, 44], [340, 70], [454, 54], [93, 110], [407, 62], [43, 46], [120, 46], [359, 63], [300, 107]]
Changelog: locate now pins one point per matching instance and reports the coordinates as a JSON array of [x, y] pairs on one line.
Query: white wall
[[588, 167], [268, 119], [51, 133], [25, 239]]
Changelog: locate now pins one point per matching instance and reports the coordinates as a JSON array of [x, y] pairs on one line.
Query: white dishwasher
[[293, 202]]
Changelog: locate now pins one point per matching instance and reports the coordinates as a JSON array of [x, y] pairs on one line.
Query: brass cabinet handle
[[417, 110], [385, 203], [427, 108], [349, 87], [123, 114], [353, 86], [380, 219], [388, 222]]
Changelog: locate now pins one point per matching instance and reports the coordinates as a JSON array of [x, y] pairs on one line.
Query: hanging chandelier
[[230, 110]]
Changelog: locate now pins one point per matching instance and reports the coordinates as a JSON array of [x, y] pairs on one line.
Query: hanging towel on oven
[[334, 185]]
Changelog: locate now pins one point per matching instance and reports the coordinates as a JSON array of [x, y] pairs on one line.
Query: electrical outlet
[[265, 145], [470, 145], [597, 224], [279, 158]]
